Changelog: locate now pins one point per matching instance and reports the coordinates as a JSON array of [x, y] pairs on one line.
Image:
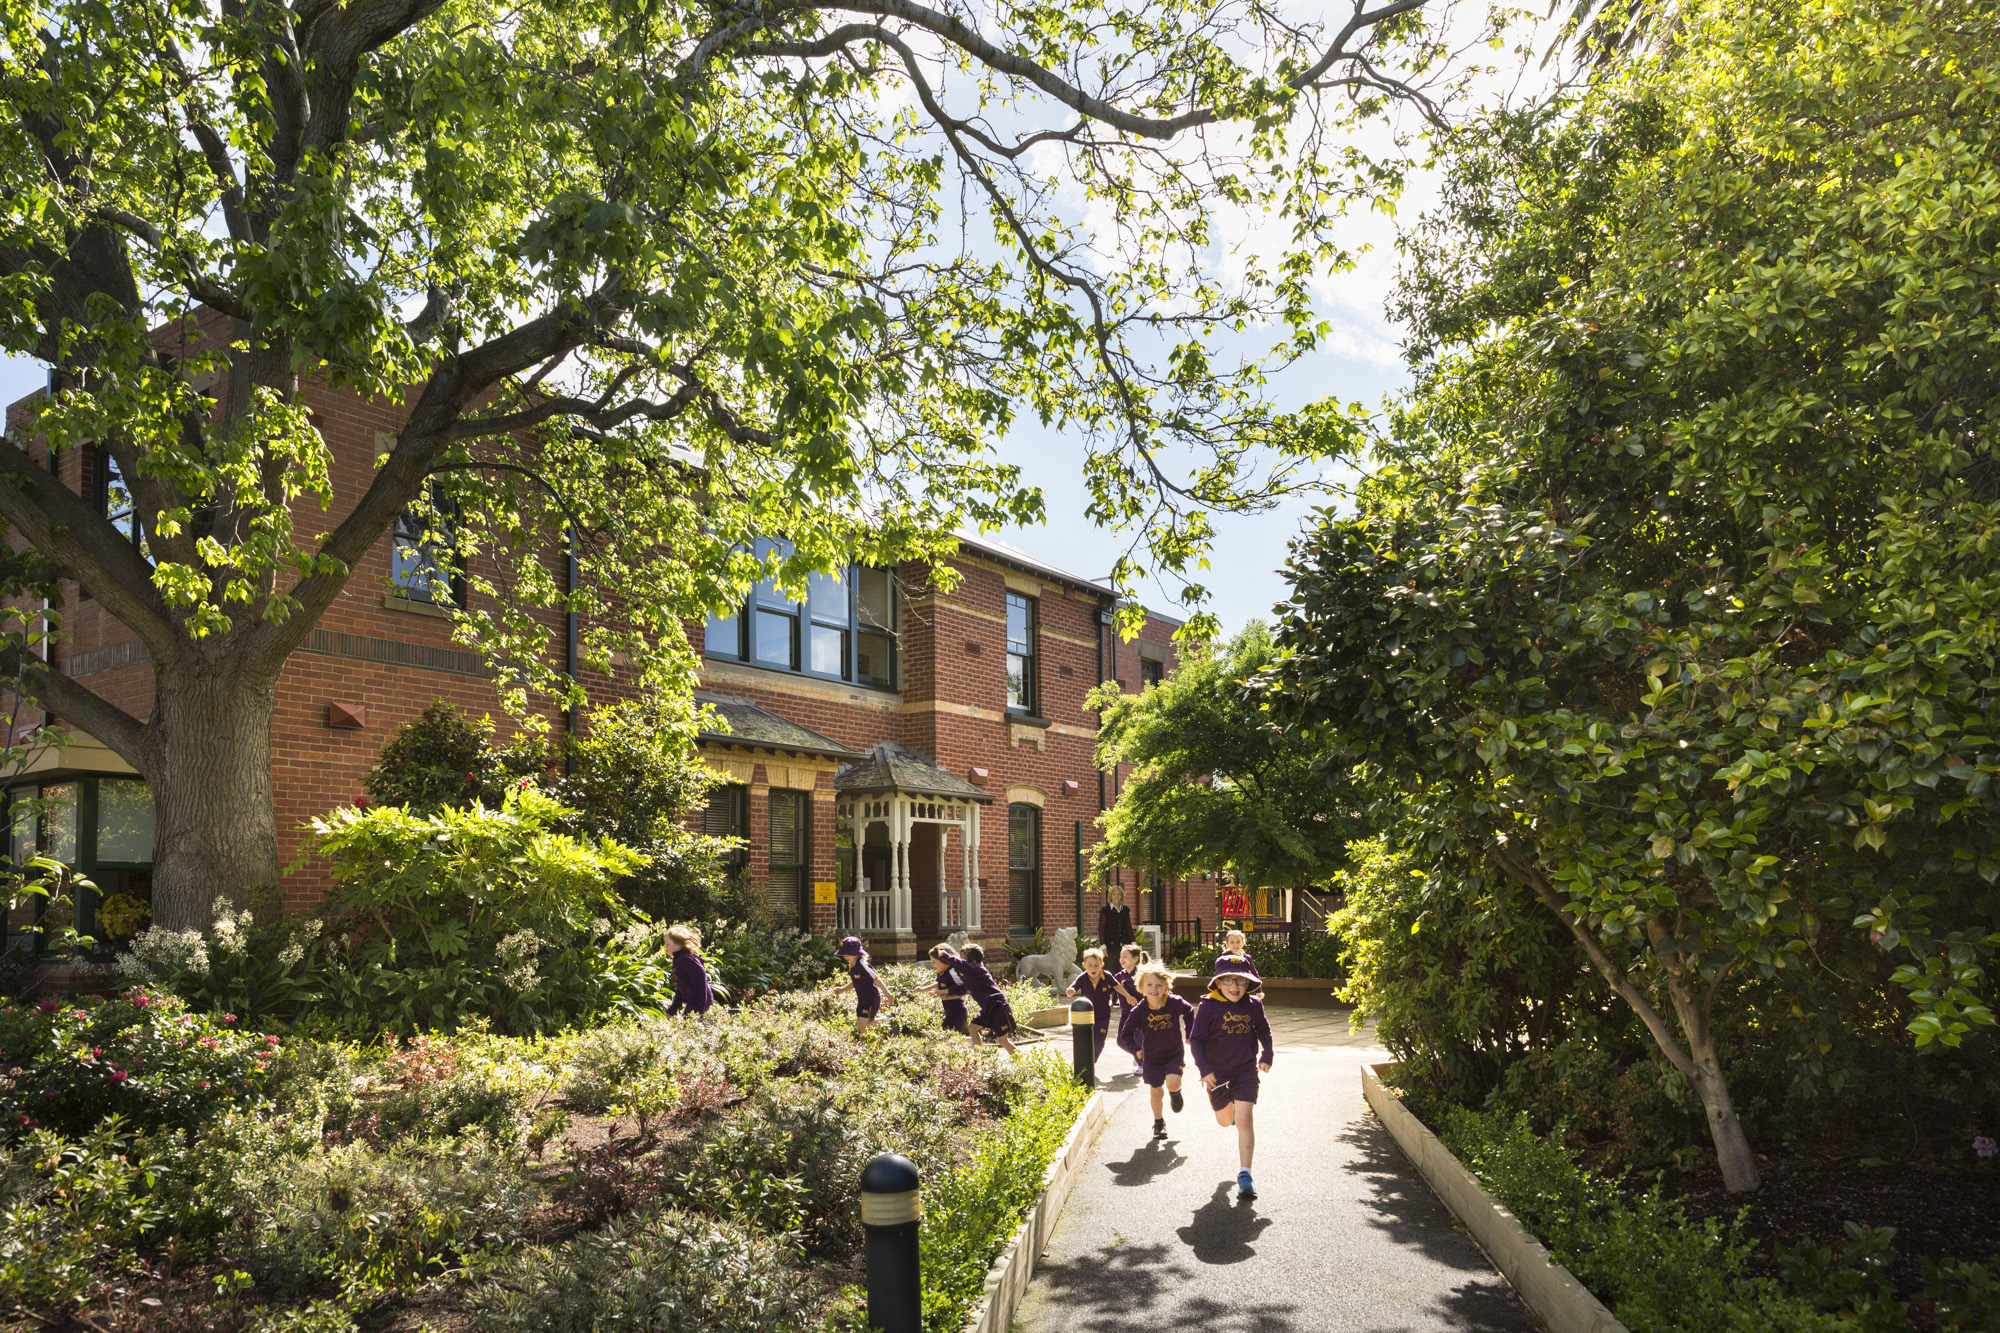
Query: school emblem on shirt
[[1238, 1023]]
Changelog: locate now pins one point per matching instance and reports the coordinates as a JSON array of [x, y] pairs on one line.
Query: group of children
[[1227, 1033]]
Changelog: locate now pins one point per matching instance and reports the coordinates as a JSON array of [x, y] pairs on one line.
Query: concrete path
[[1343, 1235]]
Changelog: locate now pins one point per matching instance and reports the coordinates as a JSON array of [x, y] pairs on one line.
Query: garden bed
[[661, 1174], [1671, 1252]]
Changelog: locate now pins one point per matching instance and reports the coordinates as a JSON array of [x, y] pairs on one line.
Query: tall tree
[[1214, 786], [638, 268], [1676, 597]]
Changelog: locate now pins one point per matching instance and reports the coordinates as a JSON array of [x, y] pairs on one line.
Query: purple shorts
[[1234, 1086], [954, 1016], [1158, 1073], [997, 1018], [867, 1006]]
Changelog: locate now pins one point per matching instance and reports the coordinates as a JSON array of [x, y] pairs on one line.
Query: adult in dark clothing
[[1114, 923]]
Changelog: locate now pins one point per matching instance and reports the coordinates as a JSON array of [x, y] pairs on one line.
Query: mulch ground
[[1939, 1212]]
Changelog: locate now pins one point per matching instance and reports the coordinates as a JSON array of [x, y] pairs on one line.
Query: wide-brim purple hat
[[1235, 965], [852, 944]]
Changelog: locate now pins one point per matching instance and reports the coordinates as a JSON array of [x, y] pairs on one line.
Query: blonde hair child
[[692, 993], [1152, 1031]]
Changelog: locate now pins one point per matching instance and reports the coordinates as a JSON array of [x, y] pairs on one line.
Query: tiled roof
[[750, 724], [893, 767]]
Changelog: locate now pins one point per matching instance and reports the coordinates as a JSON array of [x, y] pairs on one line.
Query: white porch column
[[899, 830], [972, 869]]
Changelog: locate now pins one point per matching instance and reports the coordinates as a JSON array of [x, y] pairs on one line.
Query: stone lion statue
[[1058, 964], [957, 940]]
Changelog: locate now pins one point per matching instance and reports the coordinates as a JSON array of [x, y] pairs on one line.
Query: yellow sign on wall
[[823, 891]]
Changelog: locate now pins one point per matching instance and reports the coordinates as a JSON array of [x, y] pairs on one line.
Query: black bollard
[[1083, 1034], [890, 1211]]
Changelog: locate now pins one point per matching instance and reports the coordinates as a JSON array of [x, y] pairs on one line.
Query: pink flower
[[48, 1006], [270, 1040], [97, 1052], [204, 1083], [29, 1122], [138, 999], [210, 1041], [229, 1018], [1984, 1146], [119, 1076]]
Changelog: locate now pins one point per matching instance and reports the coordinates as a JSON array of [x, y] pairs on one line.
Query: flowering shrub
[[66, 1065], [258, 965]]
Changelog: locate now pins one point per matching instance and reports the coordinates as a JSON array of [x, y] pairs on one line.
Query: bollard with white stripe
[[891, 1208], [1083, 1036]]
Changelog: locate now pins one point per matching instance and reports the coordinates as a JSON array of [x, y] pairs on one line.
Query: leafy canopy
[[1213, 785]]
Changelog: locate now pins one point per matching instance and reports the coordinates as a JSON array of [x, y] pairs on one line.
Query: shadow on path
[[1224, 1229], [1148, 1163]]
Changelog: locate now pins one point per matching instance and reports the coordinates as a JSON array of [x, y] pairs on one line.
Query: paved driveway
[[1343, 1235]]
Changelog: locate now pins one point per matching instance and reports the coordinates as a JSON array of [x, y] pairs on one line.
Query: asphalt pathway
[[1343, 1235]]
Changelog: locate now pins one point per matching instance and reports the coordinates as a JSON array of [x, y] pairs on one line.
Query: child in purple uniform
[[1236, 944], [995, 1014], [1231, 1041], [949, 988], [692, 994], [1152, 1031], [1096, 985], [868, 994], [1130, 959]]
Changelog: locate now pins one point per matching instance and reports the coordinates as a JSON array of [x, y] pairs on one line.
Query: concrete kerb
[[1549, 1289], [1007, 1279]]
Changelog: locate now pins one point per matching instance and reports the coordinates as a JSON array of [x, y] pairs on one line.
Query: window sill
[[830, 682], [1020, 719], [411, 606]]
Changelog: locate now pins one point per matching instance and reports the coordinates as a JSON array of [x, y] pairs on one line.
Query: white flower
[[157, 950]]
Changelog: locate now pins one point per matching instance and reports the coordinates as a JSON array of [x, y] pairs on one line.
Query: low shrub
[[71, 1064], [368, 1219], [1658, 1272], [971, 1210], [69, 1207], [664, 1272]]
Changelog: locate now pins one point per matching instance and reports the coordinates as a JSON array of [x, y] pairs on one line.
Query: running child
[[1096, 985], [1231, 1042], [692, 993], [1152, 1031], [949, 988], [869, 997], [995, 1014], [1237, 943], [1130, 959]]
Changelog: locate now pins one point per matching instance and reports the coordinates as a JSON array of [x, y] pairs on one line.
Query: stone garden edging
[[1549, 1289], [1007, 1278]]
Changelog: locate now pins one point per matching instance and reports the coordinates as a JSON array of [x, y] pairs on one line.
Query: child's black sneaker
[[1175, 1098], [1159, 1129]]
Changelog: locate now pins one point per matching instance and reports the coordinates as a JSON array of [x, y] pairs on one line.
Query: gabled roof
[[893, 767], [752, 725]]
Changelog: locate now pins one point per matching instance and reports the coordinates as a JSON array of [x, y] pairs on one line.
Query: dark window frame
[[729, 804], [1026, 651], [733, 637], [1030, 892], [110, 876], [802, 866], [1151, 673], [426, 538]]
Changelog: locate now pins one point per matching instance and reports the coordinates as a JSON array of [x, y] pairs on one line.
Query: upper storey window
[[1151, 673], [425, 564], [116, 503], [1021, 653], [845, 629]]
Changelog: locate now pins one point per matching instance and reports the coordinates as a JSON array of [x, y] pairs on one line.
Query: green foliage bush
[[71, 1064], [439, 761], [1319, 956], [370, 1219], [1658, 1272], [663, 1272], [68, 1208]]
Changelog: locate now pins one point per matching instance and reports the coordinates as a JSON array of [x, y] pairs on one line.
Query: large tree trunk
[[210, 769]]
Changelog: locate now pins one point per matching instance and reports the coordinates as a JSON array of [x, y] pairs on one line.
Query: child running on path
[[949, 988], [692, 993], [1130, 959], [868, 994], [1096, 985], [995, 1014], [1231, 1041], [1152, 1031]]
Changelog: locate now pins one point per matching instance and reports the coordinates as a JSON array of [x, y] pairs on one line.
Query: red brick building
[[904, 760]]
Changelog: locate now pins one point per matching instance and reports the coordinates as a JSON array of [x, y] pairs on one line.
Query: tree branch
[[56, 693]]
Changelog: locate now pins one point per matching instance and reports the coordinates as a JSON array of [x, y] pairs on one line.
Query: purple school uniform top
[[691, 990], [867, 991], [1098, 992], [1125, 979], [1154, 1035], [977, 981], [1230, 1035]]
